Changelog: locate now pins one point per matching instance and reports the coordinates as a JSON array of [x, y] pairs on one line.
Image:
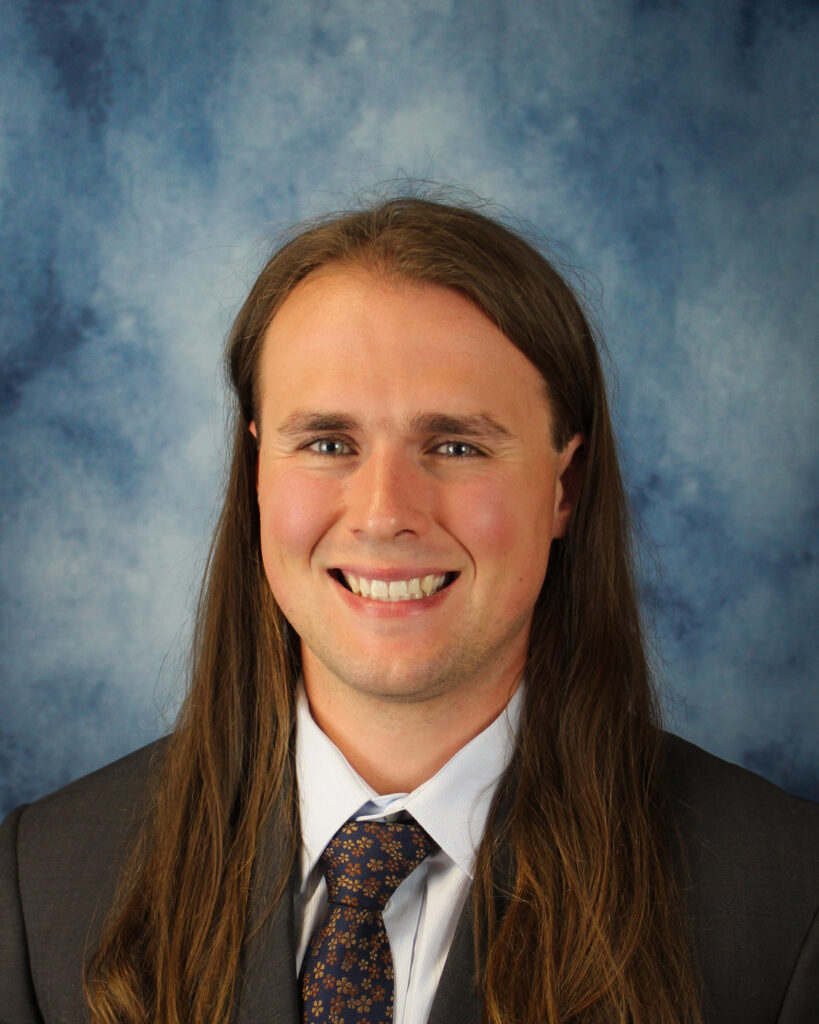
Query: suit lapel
[[268, 991], [268, 988], [457, 998]]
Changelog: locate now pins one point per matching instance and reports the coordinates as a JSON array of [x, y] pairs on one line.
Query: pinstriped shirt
[[452, 806]]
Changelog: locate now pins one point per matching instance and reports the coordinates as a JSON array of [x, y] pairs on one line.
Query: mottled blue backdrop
[[148, 153]]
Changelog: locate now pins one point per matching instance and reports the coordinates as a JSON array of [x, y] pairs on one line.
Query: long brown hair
[[578, 872]]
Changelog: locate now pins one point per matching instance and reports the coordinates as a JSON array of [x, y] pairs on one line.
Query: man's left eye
[[457, 449]]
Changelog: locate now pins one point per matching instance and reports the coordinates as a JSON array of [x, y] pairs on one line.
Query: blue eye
[[457, 450], [330, 446]]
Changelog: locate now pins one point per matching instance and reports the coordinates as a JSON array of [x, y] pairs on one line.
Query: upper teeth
[[395, 590]]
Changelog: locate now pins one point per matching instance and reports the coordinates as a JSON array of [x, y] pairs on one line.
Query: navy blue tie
[[347, 976]]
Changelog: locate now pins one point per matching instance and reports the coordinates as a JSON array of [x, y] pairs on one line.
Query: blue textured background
[[149, 151]]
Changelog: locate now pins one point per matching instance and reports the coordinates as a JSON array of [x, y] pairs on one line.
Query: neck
[[395, 745]]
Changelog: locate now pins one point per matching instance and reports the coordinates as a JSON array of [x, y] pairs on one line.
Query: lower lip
[[393, 609]]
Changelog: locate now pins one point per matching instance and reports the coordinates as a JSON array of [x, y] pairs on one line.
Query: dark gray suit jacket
[[754, 859]]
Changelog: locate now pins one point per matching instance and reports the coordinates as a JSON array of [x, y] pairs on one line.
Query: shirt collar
[[452, 806]]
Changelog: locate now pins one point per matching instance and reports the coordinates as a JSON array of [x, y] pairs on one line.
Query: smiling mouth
[[415, 588]]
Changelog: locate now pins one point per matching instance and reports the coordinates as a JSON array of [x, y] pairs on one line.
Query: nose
[[387, 496]]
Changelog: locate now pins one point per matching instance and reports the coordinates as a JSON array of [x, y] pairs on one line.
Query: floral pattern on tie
[[347, 975]]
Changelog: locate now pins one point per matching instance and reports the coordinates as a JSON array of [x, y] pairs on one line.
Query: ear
[[255, 433], [569, 479]]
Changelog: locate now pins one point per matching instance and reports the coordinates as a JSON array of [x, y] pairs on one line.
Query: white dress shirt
[[421, 916]]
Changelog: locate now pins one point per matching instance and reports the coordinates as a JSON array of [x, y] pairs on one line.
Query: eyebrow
[[477, 425]]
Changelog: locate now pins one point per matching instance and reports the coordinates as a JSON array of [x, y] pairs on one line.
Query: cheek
[[486, 519], [507, 531], [295, 511]]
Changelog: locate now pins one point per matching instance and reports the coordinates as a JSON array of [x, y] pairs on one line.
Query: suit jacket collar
[[457, 997], [268, 987]]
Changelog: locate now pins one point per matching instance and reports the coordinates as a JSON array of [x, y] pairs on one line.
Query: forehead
[[349, 335]]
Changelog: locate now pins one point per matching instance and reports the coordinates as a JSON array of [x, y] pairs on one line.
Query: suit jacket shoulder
[[753, 860], [59, 862], [753, 890]]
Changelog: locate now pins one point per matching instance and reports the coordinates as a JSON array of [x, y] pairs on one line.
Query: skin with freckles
[[401, 434]]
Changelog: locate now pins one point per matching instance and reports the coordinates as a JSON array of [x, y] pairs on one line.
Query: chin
[[397, 686], [407, 680]]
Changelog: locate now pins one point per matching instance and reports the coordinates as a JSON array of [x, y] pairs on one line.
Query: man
[[418, 776]]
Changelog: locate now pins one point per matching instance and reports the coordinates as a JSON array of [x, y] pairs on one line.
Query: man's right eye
[[329, 446]]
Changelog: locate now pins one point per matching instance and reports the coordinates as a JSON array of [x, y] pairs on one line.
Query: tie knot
[[366, 861]]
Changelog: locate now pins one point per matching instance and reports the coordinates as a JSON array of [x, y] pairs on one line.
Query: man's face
[[408, 488]]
